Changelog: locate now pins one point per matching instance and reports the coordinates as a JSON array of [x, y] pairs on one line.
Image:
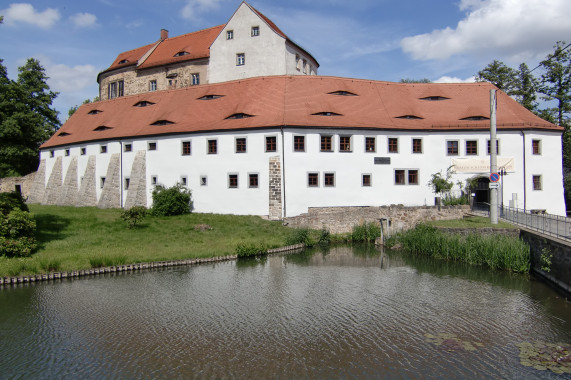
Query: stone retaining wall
[[342, 219], [9, 184], [559, 274]]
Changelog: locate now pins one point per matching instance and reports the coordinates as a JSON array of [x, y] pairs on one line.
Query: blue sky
[[442, 40]]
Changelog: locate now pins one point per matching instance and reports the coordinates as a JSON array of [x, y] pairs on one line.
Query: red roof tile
[[291, 101], [196, 44]]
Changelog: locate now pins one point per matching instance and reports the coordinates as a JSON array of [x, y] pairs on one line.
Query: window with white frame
[[344, 143], [313, 179], [253, 180], [240, 59], [255, 31], [153, 85], [366, 180], [229, 34], [329, 179], [406, 176], [186, 148], [370, 144], [195, 79], [233, 181], [116, 89], [416, 145]]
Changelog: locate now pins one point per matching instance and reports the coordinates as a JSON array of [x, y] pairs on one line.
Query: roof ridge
[[197, 31]]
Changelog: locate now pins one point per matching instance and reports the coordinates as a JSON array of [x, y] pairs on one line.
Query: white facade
[[248, 47], [208, 175]]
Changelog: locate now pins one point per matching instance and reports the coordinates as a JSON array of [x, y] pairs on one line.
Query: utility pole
[[493, 160]]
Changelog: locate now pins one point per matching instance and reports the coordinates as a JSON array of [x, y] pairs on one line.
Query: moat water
[[344, 313]]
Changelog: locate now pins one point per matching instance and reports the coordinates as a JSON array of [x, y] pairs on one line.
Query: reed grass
[[495, 251]]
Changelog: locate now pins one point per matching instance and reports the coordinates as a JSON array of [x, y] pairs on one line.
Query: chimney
[[164, 34]]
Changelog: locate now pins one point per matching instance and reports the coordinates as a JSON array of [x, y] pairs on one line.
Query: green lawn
[[73, 238]]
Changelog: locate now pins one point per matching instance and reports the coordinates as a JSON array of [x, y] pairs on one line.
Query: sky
[[388, 40]]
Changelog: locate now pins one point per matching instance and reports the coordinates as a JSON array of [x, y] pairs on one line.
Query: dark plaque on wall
[[382, 160]]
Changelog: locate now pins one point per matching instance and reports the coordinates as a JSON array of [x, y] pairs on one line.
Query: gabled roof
[[275, 28], [304, 102], [196, 44]]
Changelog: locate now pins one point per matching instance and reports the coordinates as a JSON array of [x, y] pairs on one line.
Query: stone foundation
[[398, 218]]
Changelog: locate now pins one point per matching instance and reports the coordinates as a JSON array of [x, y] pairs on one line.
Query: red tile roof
[[197, 44], [292, 101]]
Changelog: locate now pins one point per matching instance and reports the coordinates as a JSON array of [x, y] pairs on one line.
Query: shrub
[[324, 237], [175, 200], [17, 234], [251, 249], [299, 236], [12, 201], [366, 232], [134, 215]]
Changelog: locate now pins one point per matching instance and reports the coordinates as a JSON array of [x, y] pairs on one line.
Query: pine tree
[[525, 88], [556, 82], [26, 118], [500, 75]]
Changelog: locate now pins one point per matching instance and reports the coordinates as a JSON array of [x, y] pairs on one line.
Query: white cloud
[[194, 8], [64, 78], [447, 79], [84, 20], [22, 12], [515, 29]]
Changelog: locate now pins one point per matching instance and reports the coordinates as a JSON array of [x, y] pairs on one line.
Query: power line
[[554, 55]]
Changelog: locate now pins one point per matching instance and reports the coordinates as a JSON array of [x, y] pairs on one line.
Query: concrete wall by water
[[559, 273]]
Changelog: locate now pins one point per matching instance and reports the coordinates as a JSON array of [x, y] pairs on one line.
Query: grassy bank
[[497, 252], [73, 238], [471, 222]]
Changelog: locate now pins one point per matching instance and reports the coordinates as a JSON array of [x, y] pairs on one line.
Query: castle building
[[267, 140], [248, 45]]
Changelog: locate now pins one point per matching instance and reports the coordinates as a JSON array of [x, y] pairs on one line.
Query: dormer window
[[162, 122], [239, 116], [122, 62], [181, 53], [435, 98], [102, 128], [94, 112], [143, 103], [342, 93], [210, 97], [63, 134], [327, 113], [475, 118], [255, 31], [410, 117]]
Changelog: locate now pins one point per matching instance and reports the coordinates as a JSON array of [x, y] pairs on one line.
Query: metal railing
[[537, 220]]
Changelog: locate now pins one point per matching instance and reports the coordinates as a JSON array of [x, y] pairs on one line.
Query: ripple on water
[[334, 315]]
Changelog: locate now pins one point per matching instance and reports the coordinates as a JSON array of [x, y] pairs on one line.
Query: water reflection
[[344, 312]]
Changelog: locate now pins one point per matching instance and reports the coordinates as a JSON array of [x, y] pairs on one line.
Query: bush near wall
[[17, 227], [175, 200]]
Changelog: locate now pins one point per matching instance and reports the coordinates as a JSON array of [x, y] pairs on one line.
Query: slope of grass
[[73, 238]]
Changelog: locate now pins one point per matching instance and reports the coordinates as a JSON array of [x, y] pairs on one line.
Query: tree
[[525, 88], [556, 81], [498, 74], [26, 118], [72, 110]]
